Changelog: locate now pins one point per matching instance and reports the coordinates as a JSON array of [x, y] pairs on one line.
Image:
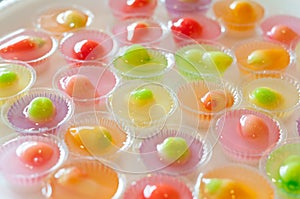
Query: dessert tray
[[142, 141]]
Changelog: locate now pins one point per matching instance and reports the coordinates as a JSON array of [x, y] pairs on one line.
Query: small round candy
[[252, 126], [86, 50], [255, 130], [7, 78], [40, 109], [160, 191], [266, 97], [141, 97], [239, 15], [136, 55], [277, 58], [34, 153], [174, 149], [216, 100], [283, 34], [186, 27], [243, 11], [289, 173], [72, 19]]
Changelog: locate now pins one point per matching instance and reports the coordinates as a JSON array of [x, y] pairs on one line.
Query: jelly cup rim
[[52, 50], [88, 64], [226, 23], [46, 186], [263, 25], [70, 35], [140, 83], [282, 132], [9, 139], [185, 130], [123, 15], [297, 125], [5, 109], [289, 47], [265, 41], [61, 6], [163, 27], [168, 56], [197, 6], [98, 114], [226, 86], [30, 83], [271, 75]]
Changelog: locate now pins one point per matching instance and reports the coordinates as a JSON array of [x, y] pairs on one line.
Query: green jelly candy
[[141, 96], [7, 78], [266, 97], [136, 55], [41, 109], [289, 173], [174, 149]]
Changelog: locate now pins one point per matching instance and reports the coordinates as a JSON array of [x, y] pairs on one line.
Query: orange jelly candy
[[160, 191], [242, 11], [216, 100], [34, 153], [269, 59], [239, 15]]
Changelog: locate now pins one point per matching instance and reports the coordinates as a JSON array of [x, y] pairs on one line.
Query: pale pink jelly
[[247, 132], [140, 30], [28, 158], [123, 9]]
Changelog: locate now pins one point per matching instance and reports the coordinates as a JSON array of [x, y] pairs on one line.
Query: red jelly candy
[[34, 153]]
